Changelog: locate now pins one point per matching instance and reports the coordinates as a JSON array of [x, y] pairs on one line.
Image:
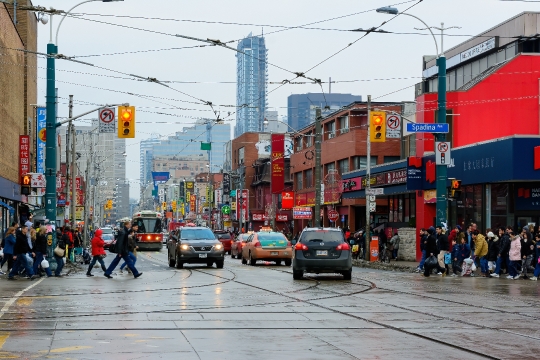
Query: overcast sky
[[105, 33]]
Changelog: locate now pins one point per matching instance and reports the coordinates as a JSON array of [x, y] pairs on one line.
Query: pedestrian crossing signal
[[455, 188], [377, 126], [25, 184], [126, 122]]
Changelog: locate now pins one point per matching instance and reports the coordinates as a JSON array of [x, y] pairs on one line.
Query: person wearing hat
[[493, 250], [98, 252]]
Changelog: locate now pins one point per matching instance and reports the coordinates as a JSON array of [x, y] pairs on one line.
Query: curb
[[387, 267]]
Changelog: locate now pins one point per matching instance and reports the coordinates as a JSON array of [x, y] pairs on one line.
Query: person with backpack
[[98, 252], [122, 249], [502, 256]]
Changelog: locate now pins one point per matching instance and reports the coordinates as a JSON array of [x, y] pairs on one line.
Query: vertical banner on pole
[[278, 163], [24, 155], [41, 139]]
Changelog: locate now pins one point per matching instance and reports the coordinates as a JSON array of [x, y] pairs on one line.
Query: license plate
[[274, 253], [322, 252], [202, 255]]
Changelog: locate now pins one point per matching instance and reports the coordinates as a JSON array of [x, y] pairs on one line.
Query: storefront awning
[[10, 208]]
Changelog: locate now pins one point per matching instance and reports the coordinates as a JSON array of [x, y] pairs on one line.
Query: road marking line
[[3, 339], [17, 296], [69, 349]]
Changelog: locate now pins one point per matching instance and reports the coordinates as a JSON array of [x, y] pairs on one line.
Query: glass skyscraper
[[251, 84]]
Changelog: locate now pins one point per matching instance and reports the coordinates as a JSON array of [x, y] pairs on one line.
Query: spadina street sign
[[106, 120], [428, 128]]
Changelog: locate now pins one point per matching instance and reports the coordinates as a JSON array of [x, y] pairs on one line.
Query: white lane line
[[17, 295]]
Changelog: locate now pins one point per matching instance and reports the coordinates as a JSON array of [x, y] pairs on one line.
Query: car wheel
[[288, 262], [297, 274], [252, 261], [233, 256], [278, 262], [179, 263], [244, 261], [171, 261], [347, 275], [219, 264]]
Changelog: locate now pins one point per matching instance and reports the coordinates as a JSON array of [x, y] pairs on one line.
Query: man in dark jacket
[[504, 249], [20, 250], [122, 249], [431, 250], [442, 247], [423, 239]]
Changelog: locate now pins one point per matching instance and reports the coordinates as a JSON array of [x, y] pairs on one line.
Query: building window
[[241, 155], [298, 143], [331, 129], [388, 159], [343, 124], [329, 167], [298, 181], [309, 139], [343, 166], [410, 145], [309, 178], [360, 162]]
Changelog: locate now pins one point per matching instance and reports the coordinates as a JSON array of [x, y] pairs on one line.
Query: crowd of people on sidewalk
[[24, 250], [497, 252]]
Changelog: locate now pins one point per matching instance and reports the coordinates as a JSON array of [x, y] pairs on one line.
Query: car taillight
[[300, 246], [344, 246], [257, 244]]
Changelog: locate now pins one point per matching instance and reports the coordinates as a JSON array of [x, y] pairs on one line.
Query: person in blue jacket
[[9, 244], [463, 251]]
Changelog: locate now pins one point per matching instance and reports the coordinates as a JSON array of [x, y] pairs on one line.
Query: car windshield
[[322, 235], [196, 234], [107, 237], [264, 237], [106, 230], [223, 236], [148, 225]]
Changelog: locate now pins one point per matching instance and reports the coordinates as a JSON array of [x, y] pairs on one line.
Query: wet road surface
[[242, 312]]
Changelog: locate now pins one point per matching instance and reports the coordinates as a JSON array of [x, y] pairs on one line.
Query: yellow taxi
[[268, 246]]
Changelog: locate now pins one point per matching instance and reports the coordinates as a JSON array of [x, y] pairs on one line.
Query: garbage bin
[[374, 248]]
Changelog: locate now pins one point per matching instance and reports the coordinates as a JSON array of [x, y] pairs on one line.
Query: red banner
[[287, 200], [192, 201], [278, 163], [24, 155]]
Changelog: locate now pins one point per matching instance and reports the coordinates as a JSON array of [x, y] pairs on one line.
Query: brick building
[[18, 93], [343, 150]]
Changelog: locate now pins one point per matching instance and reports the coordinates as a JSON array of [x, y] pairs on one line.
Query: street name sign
[[428, 128], [375, 191]]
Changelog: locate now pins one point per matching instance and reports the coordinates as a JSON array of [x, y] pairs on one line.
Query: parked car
[[225, 239], [322, 250], [267, 245], [108, 239], [238, 244], [195, 245]]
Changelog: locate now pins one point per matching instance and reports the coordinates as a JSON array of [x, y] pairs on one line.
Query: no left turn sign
[[106, 115], [106, 120]]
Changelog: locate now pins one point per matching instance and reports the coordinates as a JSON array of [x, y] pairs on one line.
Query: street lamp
[[441, 170], [50, 147]]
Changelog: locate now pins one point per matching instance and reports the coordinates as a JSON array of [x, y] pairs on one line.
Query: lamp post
[[441, 170], [50, 147]]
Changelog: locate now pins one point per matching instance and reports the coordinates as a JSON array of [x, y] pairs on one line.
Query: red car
[[108, 239], [236, 247], [225, 238]]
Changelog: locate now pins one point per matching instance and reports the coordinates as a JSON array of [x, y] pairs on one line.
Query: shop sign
[[24, 155], [351, 184], [527, 196], [278, 163], [259, 217], [192, 202], [233, 206], [478, 49], [301, 213], [287, 200], [430, 196], [414, 173], [282, 218], [301, 199], [38, 180]]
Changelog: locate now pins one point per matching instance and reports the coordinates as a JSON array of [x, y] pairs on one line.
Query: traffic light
[[377, 126], [108, 205], [455, 188], [25, 184], [126, 122], [164, 206]]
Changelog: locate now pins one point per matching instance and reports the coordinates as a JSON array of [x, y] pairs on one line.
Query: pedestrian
[[98, 252], [527, 251], [59, 257], [20, 250], [40, 249], [481, 251], [123, 252], [423, 238], [9, 244], [536, 258], [493, 251], [464, 251], [515, 256], [67, 238], [77, 239], [455, 258], [132, 241], [431, 254], [502, 256], [468, 236], [394, 245], [442, 248]]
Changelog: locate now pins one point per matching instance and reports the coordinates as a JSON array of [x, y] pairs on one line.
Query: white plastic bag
[[491, 265], [44, 264], [473, 267]]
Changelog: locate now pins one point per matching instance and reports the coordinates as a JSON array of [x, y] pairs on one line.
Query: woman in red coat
[[98, 252]]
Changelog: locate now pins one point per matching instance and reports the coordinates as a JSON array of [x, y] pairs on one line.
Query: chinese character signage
[[192, 201], [38, 181], [242, 202], [287, 200], [24, 155], [226, 183], [41, 139], [301, 213], [278, 163]]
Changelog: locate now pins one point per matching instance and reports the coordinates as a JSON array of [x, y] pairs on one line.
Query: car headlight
[[184, 247], [218, 247]]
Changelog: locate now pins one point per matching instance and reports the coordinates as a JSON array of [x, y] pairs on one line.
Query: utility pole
[[318, 140], [68, 176], [87, 187], [73, 165], [368, 182]]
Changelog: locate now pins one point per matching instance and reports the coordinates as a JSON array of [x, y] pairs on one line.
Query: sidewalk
[[402, 266]]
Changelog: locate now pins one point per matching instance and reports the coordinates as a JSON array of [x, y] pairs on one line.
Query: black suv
[[195, 245], [322, 250]]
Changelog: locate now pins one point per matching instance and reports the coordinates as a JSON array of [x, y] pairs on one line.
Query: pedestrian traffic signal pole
[[367, 231], [318, 140], [441, 170]]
